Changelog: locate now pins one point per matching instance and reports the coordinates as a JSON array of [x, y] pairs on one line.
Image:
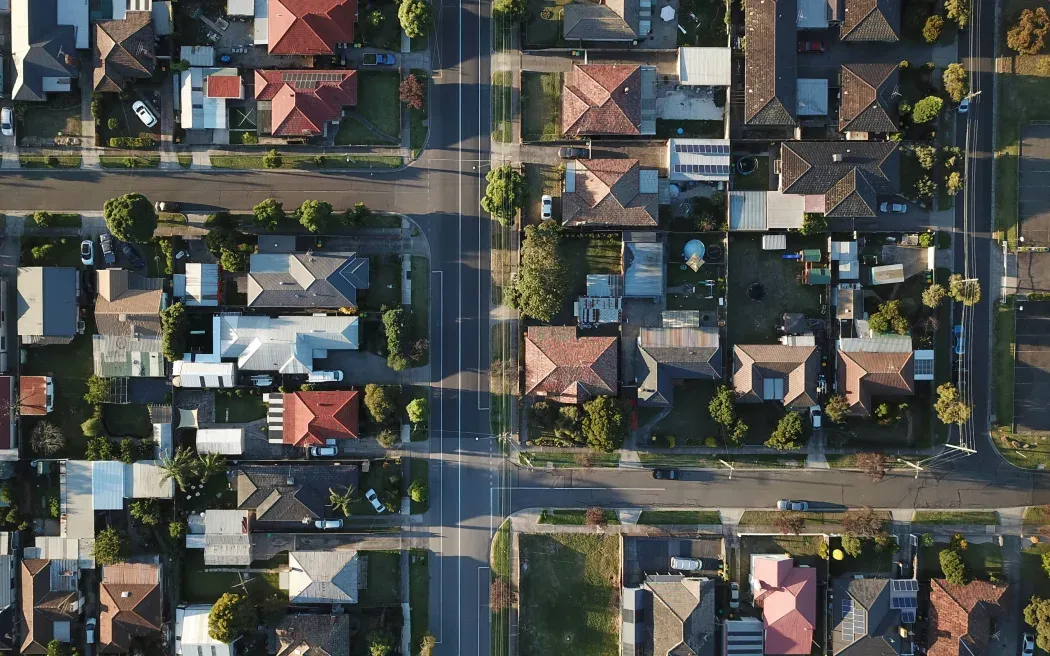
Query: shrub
[[272, 159], [927, 109], [1028, 37], [927, 156], [931, 31], [250, 139], [412, 92], [788, 431], [933, 295], [417, 410], [851, 545], [417, 491], [396, 339], [381, 402], [953, 184], [888, 318], [813, 224], [926, 239], [542, 283], [111, 546], [836, 408], [173, 331], [230, 616], [604, 423], [388, 438], [43, 219], [595, 517], [953, 566]]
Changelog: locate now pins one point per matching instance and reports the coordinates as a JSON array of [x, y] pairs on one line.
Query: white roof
[[227, 441], [122, 7], [240, 7], [107, 485], [843, 251], [162, 18], [704, 66], [145, 480], [784, 211], [747, 210], [198, 55], [202, 374], [811, 96], [888, 273], [777, 242], [288, 345], [225, 522], [812, 14], [698, 159], [162, 436], [199, 112], [191, 633], [849, 270], [77, 493], [202, 280], [262, 33]]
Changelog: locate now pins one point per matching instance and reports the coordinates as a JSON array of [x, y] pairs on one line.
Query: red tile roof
[[224, 86], [788, 597], [609, 192], [310, 27], [862, 375], [33, 395], [602, 99], [310, 418], [6, 423], [43, 607], [130, 605], [963, 614], [303, 101], [566, 368]]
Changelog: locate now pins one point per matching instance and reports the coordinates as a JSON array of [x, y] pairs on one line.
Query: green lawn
[[49, 162], [704, 23], [981, 560], [1003, 371], [689, 416], [378, 478], [585, 255], [786, 461], [767, 517], [420, 472], [384, 289], [384, 579], [870, 561], [502, 107], [238, 409], [758, 180], [127, 420], [45, 121], [1034, 581], [658, 517], [573, 517], [1037, 516], [988, 517], [348, 162], [38, 251], [216, 494], [420, 296], [419, 594], [500, 562], [570, 459], [136, 161], [201, 585], [418, 117], [540, 106], [542, 179], [569, 593], [543, 23], [378, 102]]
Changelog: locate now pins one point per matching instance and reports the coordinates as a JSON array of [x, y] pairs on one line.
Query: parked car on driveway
[[373, 499], [686, 564], [816, 415], [323, 451], [7, 122], [546, 203], [108, 255], [797, 506], [144, 113], [815, 47], [328, 524], [134, 258], [893, 208], [325, 376], [573, 152], [377, 59], [1027, 644], [734, 595], [87, 252], [89, 630]]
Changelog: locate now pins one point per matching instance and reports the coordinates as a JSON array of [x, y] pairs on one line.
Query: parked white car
[[686, 564], [7, 122], [323, 451], [816, 415], [373, 499], [328, 524], [87, 252], [1027, 644], [89, 630], [144, 113], [546, 203], [797, 506], [325, 376]]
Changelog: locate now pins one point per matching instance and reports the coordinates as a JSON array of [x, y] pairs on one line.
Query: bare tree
[[863, 523], [46, 439], [501, 595], [873, 464], [595, 516], [789, 522]]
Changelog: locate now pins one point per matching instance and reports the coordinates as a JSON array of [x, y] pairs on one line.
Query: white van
[[325, 377]]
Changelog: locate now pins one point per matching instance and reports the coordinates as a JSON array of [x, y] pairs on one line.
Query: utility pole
[[731, 468], [917, 468]]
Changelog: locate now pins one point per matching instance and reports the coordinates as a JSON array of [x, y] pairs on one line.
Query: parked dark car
[[573, 152], [666, 474], [87, 282], [108, 254], [815, 47], [134, 258]]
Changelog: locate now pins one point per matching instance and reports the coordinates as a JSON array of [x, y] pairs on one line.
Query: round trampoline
[[756, 291]]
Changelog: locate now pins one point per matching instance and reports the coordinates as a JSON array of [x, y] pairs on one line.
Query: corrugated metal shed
[[191, 633], [879, 344], [198, 55], [600, 284], [849, 270], [227, 441], [598, 309], [784, 211], [145, 480], [202, 284], [644, 270], [225, 522], [777, 242], [162, 18], [203, 374], [705, 66], [887, 274], [812, 255], [262, 35], [240, 7], [747, 210], [195, 540], [680, 318], [811, 97], [227, 550], [107, 485]]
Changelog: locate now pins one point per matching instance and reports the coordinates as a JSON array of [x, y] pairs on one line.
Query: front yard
[[40, 123], [542, 179], [689, 423], [982, 560], [384, 579], [805, 549], [543, 23], [378, 102], [233, 408], [379, 25], [569, 594], [540, 106]]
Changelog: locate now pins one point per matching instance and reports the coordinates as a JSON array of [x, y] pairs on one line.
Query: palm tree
[[341, 502], [209, 464], [178, 466]]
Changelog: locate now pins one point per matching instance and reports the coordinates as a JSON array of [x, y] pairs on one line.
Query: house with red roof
[[8, 434], [788, 597], [609, 99], [316, 418], [962, 618], [308, 27], [304, 103], [566, 368]]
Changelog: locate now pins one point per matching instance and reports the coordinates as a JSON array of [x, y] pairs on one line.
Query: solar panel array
[[904, 585], [900, 603], [704, 149], [904, 598], [304, 79], [854, 621], [710, 169]]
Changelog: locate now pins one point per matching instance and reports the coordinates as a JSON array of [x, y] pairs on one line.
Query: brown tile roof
[[869, 98], [769, 62], [41, 606], [309, 27], [313, 635], [871, 20], [797, 366], [128, 304], [602, 99], [129, 605], [862, 375], [566, 368], [123, 49], [303, 101], [32, 393], [963, 614], [224, 86], [608, 192]]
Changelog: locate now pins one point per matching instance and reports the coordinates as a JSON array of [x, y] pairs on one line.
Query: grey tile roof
[[47, 302], [869, 98], [52, 51], [870, 600], [306, 280], [289, 494], [683, 615], [670, 354], [769, 62], [851, 185], [323, 577], [313, 635], [871, 20], [585, 21]]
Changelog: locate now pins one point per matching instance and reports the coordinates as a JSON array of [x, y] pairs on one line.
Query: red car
[[811, 46]]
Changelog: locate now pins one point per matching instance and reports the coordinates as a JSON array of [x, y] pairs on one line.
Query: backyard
[[704, 22], [569, 594], [583, 256], [127, 420], [702, 287], [378, 102], [232, 408], [778, 285], [201, 585], [757, 180], [543, 23], [540, 106]]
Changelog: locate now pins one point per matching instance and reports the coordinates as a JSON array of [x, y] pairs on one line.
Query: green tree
[[230, 616], [542, 283], [342, 501], [511, 10], [380, 642], [269, 213], [1046, 562], [958, 11], [931, 31], [956, 81], [953, 184], [927, 109], [43, 218], [416, 17], [1028, 37], [1036, 615], [504, 193], [721, 407], [176, 529], [953, 566], [604, 423], [949, 407], [851, 545], [739, 432], [417, 491], [46, 439], [927, 156], [933, 295], [836, 408], [788, 431], [54, 506], [381, 402], [272, 159], [146, 511], [427, 644], [388, 438], [130, 217], [813, 224], [963, 290], [57, 648], [417, 410], [315, 215], [98, 448], [178, 466], [173, 327], [396, 339], [128, 450], [208, 465], [98, 390], [888, 318], [111, 546], [235, 259]]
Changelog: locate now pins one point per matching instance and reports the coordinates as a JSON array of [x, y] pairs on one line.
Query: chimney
[[124, 594], [837, 157]]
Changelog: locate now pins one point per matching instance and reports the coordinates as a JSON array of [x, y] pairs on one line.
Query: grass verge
[[502, 111], [49, 161], [569, 459], [420, 471], [657, 517], [419, 595], [986, 517], [574, 517]]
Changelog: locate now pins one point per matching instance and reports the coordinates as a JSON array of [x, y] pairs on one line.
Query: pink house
[[788, 597]]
